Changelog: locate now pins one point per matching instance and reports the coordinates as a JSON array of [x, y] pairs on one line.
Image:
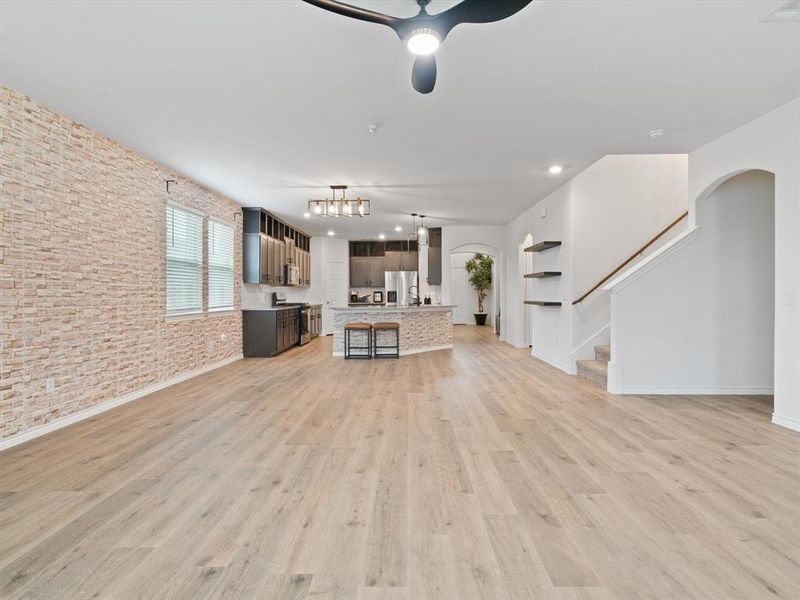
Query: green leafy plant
[[479, 268]]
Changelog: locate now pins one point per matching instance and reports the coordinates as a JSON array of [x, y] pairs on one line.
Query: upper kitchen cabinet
[[435, 256], [273, 249], [367, 264], [401, 256]]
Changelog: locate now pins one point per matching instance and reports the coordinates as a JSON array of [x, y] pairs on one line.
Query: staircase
[[596, 370]]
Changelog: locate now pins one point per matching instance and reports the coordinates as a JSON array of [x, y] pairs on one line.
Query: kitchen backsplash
[[255, 296]]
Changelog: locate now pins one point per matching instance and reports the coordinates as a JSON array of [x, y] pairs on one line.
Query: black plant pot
[[480, 318]]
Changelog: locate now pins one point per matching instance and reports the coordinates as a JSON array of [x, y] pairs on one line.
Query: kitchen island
[[422, 328]]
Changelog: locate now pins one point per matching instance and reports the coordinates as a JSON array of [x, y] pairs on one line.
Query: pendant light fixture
[[418, 233], [339, 207]]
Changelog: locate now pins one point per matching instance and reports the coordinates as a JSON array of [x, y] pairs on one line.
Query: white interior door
[[334, 291], [458, 295]]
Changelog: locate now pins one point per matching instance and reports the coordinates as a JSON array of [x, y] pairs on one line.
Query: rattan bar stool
[[349, 328], [377, 327]]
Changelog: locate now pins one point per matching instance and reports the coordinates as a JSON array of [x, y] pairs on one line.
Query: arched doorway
[[737, 222], [461, 294]]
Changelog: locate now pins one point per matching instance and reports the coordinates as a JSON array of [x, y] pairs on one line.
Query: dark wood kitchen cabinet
[[367, 271], [367, 264], [401, 260], [269, 245], [435, 256], [266, 333]]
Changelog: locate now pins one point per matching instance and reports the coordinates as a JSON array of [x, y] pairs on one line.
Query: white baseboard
[[408, 352], [788, 422], [699, 391], [554, 363], [87, 413]]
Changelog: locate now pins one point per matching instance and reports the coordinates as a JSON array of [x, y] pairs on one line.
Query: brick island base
[[422, 329]]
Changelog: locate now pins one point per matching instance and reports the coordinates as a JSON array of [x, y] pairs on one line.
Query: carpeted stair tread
[[602, 353], [596, 367]]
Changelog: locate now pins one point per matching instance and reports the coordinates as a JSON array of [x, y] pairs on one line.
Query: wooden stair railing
[[632, 257]]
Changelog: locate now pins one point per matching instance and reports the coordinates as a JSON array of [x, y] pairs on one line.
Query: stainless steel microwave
[[291, 275]]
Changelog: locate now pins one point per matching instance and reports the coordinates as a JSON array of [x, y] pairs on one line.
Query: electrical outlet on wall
[[544, 212], [49, 384], [210, 346]]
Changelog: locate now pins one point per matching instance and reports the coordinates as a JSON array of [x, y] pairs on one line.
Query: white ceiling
[[269, 102]]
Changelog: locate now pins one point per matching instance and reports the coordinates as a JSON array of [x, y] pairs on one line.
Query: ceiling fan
[[424, 32]]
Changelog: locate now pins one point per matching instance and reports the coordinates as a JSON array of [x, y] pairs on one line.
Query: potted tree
[[479, 269]]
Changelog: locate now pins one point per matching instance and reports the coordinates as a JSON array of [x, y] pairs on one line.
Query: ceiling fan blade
[[423, 75], [477, 11], [354, 12]]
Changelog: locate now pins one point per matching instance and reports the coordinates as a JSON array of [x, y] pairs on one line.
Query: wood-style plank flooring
[[472, 473]]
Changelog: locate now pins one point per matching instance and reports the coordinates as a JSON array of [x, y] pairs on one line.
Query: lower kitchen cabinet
[[269, 332]]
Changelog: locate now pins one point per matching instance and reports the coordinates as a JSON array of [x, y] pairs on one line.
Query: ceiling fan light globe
[[423, 42]]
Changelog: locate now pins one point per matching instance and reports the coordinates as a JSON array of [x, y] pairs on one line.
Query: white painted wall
[[770, 143], [601, 216], [618, 204], [700, 318], [550, 219]]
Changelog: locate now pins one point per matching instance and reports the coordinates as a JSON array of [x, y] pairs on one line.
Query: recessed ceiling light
[[382, 236], [331, 232], [372, 128], [657, 133], [307, 215], [555, 169], [398, 228]]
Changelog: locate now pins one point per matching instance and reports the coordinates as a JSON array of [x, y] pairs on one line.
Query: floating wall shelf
[[542, 246], [543, 274], [542, 303]]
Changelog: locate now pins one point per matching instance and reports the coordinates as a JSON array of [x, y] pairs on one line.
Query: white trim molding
[[585, 350], [102, 407], [627, 277], [699, 391], [554, 363], [788, 422]]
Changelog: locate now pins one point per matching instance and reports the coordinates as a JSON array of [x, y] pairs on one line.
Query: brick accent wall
[[82, 270]]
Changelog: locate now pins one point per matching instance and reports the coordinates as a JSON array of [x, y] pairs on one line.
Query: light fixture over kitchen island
[[422, 328]]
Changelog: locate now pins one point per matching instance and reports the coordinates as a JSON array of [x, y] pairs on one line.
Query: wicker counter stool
[[377, 327], [349, 328]]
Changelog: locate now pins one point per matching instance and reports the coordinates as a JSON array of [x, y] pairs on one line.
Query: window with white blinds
[[220, 266], [184, 261]]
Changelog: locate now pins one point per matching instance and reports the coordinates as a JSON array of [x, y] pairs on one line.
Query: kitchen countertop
[[383, 308], [311, 305]]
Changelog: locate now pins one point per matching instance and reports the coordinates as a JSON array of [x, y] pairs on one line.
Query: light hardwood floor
[[473, 473]]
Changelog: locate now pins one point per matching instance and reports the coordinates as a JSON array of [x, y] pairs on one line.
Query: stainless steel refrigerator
[[402, 288]]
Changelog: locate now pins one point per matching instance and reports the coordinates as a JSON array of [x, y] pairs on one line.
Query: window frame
[[228, 308], [183, 314]]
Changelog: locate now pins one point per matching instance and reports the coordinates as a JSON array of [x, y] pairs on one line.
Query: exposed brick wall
[[82, 270]]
